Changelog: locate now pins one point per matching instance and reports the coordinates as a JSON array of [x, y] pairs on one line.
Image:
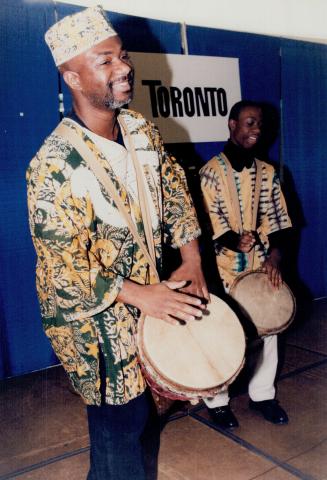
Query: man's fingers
[[171, 320], [187, 292], [206, 294], [180, 313], [174, 285], [164, 301], [184, 307], [186, 310], [199, 290]]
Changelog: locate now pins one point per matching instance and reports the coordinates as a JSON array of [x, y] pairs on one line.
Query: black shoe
[[223, 417], [271, 411]]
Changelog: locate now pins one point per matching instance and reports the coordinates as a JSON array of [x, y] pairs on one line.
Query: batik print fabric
[[272, 212], [85, 250]]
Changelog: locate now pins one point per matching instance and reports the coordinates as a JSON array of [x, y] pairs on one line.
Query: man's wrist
[[192, 260], [190, 253], [131, 293]]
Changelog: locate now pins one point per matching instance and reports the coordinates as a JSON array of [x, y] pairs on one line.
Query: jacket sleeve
[[180, 221], [214, 204], [72, 283], [276, 217]]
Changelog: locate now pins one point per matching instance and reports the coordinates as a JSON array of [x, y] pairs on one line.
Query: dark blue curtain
[[304, 94], [29, 109]]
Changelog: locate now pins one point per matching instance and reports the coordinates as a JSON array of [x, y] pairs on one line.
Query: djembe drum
[[192, 361], [271, 309]]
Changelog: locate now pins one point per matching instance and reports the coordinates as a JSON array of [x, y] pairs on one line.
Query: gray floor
[[43, 431]]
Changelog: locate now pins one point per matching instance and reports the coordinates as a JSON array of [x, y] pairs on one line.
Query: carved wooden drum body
[[270, 309], [196, 360]]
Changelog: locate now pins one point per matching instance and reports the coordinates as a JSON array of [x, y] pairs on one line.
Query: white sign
[[187, 96]]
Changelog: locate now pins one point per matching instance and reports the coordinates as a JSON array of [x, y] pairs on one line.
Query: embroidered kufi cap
[[77, 33]]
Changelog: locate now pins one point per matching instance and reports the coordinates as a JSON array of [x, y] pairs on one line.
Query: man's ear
[[232, 125], [72, 79]]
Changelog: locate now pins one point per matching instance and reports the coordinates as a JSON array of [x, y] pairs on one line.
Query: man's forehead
[[250, 112], [110, 45]]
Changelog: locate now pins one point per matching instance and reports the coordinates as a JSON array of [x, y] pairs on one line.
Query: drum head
[[198, 356], [269, 308]]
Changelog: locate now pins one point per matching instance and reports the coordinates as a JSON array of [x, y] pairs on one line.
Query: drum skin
[[196, 360], [270, 309]]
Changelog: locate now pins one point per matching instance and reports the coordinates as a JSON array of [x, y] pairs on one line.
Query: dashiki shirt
[[272, 212], [85, 250]]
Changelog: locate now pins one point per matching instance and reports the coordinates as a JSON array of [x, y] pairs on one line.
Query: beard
[[109, 100]]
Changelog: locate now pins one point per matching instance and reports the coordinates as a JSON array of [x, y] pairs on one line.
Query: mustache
[[123, 78]]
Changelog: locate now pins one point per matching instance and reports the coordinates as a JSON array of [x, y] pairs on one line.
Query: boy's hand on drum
[[271, 267], [246, 242], [163, 301]]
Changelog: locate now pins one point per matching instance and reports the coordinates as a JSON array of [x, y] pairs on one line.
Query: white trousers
[[261, 386]]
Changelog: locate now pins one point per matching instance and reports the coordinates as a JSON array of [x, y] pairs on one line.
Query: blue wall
[[28, 112], [270, 69], [304, 94]]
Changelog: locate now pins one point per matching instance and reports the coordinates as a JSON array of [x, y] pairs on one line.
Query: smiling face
[[103, 75], [245, 132]]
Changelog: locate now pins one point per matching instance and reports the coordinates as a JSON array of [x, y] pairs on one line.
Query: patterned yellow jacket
[[85, 250]]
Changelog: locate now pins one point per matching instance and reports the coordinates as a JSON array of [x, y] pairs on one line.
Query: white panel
[[187, 97]]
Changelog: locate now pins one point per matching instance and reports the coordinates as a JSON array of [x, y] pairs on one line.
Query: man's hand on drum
[[246, 242], [181, 298], [271, 267], [162, 300]]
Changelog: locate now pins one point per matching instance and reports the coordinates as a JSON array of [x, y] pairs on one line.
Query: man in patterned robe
[[232, 247], [92, 278]]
